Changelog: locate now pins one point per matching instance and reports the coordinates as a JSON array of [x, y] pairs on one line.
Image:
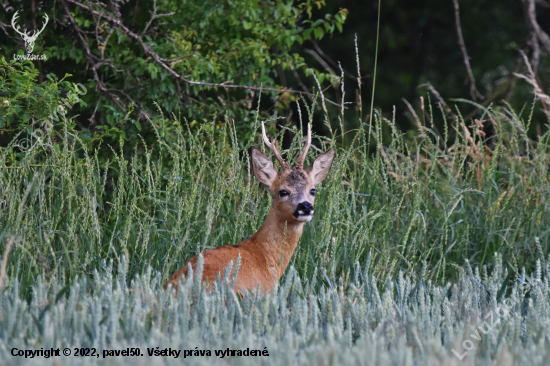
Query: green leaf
[[319, 33]]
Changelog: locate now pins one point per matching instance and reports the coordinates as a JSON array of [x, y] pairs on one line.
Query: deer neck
[[279, 239]]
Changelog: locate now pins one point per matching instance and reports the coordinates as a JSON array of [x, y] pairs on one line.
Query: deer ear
[[318, 171], [263, 167]]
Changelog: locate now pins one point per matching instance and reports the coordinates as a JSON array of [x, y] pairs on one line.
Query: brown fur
[[266, 254]]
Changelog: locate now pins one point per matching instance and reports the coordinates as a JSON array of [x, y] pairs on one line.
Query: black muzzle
[[304, 209]]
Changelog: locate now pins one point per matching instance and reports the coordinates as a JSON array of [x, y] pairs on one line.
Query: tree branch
[[473, 89], [154, 16], [329, 60], [159, 61], [320, 60], [531, 78], [531, 18], [99, 84]]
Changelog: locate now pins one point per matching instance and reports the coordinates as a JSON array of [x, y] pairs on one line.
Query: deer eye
[[283, 193], [312, 192]]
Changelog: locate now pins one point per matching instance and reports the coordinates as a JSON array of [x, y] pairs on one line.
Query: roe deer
[[266, 254]]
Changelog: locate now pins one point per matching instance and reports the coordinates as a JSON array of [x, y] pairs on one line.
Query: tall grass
[[407, 199], [399, 220]]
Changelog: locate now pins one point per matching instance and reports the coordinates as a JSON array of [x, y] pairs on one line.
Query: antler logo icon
[[29, 39]]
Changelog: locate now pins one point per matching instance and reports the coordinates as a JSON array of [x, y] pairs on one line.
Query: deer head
[[292, 190], [28, 39]]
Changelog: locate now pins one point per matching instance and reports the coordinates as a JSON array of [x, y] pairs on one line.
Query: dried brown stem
[[5, 261], [413, 113], [537, 90], [302, 85], [446, 109], [330, 61], [473, 89], [531, 18], [320, 60]]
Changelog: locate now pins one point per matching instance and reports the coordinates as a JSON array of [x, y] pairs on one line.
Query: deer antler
[[273, 149], [300, 163], [15, 16]]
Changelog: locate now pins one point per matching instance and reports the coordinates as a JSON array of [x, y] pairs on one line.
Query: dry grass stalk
[[5, 261], [531, 78]]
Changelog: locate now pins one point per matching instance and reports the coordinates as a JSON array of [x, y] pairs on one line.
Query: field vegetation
[[429, 244], [385, 260]]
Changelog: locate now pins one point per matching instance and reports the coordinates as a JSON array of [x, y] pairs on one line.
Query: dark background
[[419, 43]]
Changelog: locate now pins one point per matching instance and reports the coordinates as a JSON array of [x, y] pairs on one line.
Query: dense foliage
[[194, 60]]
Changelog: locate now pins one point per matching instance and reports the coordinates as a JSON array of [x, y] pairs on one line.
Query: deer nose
[[305, 208]]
